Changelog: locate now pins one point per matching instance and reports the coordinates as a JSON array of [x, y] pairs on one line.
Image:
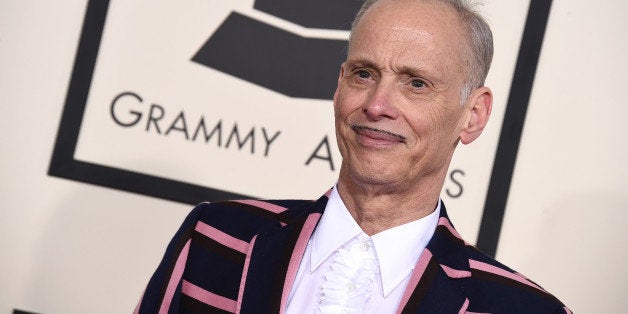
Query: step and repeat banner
[[208, 100], [165, 104]]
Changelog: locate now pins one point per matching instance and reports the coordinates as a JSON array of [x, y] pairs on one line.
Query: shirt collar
[[335, 228], [397, 249]]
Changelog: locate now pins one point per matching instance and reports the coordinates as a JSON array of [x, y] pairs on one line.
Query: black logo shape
[[279, 60], [327, 14]]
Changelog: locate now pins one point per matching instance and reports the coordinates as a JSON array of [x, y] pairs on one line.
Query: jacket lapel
[[274, 259], [436, 284], [438, 279]]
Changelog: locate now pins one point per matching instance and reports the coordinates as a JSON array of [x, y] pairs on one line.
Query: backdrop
[[119, 116]]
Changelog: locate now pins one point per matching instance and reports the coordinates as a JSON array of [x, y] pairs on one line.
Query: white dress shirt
[[343, 270]]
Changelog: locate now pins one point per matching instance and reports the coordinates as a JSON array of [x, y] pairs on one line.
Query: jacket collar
[[442, 261], [275, 256], [273, 261]]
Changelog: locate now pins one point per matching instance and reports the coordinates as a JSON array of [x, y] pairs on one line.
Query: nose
[[379, 105]]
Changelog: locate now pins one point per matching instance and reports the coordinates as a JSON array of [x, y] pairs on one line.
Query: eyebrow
[[414, 71], [428, 75], [362, 63], [411, 70]]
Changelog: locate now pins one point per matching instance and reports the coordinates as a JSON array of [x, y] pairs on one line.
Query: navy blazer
[[243, 256]]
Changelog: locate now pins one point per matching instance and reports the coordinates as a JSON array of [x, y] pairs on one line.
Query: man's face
[[397, 105]]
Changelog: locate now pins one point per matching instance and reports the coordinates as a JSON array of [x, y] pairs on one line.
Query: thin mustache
[[356, 127]]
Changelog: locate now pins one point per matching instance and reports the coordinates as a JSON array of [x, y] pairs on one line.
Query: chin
[[374, 176]]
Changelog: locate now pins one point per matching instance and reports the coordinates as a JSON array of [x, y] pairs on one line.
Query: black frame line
[[16, 311], [64, 165], [512, 127]]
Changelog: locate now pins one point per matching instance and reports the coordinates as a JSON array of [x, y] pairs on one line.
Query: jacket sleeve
[[164, 288], [564, 310]]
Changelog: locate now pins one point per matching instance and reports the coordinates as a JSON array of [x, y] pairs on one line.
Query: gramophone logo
[[277, 59]]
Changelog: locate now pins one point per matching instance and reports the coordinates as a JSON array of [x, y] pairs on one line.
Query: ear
[[479, 105]]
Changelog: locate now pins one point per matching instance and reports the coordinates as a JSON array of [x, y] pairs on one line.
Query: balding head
[[478, 35]]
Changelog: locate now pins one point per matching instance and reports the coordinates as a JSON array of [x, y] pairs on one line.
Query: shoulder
[[488, 285], [245, 218], [499, 288]]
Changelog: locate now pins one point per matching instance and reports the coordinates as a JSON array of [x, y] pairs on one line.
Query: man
[[380, 241]]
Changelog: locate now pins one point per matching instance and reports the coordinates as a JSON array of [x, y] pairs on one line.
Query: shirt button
[[364, 246], [350, 286]]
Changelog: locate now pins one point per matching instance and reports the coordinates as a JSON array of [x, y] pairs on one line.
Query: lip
[[376, 137]]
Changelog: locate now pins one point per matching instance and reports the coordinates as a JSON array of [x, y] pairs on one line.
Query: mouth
[[377, 136]]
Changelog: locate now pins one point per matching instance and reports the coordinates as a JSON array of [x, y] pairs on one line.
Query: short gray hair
[[480, 54]]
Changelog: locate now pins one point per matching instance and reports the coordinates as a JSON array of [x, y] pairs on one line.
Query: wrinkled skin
[[398, 110]]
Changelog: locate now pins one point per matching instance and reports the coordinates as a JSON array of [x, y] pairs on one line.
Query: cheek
[[346, 104], [342, 110], [424, 123], [432, 127], [445, 128]]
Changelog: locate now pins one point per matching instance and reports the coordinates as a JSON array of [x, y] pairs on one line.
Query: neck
[[378, 207]]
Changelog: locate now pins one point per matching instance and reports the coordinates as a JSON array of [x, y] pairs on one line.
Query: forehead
[[409, 31]]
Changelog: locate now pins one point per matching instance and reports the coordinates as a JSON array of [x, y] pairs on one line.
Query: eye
[[417, 84], [364, 74]]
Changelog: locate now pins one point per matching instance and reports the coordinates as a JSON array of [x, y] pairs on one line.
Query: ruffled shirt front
[[343, 270], [350, 282]]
